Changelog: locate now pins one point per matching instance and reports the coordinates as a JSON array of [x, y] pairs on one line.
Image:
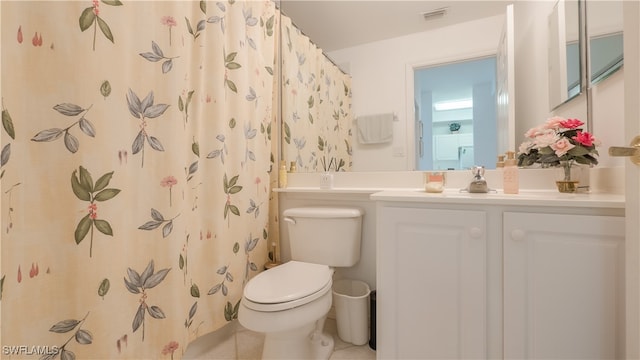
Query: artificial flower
[[558, 141]]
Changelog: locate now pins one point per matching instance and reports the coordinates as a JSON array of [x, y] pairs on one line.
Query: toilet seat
[[287, 286]]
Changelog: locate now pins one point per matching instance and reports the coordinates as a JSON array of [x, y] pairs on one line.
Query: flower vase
[[567, 180]]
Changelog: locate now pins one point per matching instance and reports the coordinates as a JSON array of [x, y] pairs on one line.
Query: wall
[[365, 62], [608, 117]]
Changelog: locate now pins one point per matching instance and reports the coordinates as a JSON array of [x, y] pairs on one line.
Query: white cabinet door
[[431, 284], [563, 286]]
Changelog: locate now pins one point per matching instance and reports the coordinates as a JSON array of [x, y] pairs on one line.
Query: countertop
[[454, 196], [527, 198]]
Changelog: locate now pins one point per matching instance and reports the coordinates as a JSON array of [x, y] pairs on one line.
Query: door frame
[[410, 69], [632, 177]]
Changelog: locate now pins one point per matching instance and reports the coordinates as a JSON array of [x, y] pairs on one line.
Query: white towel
[[375, 129]]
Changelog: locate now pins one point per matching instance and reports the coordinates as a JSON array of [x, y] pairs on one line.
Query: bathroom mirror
[[604, 31], [383, 14], [564, 52], [322, 20]]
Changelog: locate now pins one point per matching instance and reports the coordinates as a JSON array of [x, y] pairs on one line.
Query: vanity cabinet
[[432, 275], [563, 286], [498, 279]]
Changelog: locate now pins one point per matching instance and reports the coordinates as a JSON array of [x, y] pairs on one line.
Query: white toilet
[[290, 302]]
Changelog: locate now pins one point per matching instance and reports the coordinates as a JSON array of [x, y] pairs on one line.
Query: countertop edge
[[533, 198], [452, 196]]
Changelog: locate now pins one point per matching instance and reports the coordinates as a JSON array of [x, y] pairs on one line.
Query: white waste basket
[[351, 301]]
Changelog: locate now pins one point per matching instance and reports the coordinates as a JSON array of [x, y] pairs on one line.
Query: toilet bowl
[[289, 303]]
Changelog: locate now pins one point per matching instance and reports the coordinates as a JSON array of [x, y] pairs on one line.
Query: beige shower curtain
[[316, 106], [136, 158]]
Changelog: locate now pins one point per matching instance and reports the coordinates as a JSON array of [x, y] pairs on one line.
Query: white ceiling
[[339, 24]]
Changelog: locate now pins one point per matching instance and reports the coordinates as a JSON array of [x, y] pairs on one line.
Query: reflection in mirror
[[377, 65], [456, 114], [315, 106], [604, 30], [564, 52]]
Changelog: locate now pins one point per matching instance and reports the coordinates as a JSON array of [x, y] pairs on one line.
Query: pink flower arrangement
[[558, 141]]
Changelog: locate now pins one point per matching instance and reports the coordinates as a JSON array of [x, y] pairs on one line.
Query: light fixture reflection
[[453, 104]]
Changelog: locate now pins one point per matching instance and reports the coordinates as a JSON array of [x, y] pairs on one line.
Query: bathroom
[[382, 167]]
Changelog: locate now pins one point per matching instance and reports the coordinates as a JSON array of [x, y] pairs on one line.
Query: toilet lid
[[287, 282]]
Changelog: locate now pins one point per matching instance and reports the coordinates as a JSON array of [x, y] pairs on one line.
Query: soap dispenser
[[510, 181]]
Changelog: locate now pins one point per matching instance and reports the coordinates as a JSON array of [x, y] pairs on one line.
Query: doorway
[[455, 114]]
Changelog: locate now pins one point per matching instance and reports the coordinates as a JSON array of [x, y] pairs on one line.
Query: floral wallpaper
[[316, 106], [137, 148]]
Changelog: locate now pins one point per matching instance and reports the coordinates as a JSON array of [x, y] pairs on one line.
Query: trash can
[[372, 316], [351, 301]]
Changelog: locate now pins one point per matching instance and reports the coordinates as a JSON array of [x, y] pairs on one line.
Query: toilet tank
[[325, 235]]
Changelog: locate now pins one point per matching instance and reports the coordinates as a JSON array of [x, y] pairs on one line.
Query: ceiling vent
[[434, 14]]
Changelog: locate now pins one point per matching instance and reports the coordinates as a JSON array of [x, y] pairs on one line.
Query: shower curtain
[[316, 106], [136, 170]]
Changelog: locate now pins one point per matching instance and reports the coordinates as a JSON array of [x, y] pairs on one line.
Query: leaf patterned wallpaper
[[137, 148]]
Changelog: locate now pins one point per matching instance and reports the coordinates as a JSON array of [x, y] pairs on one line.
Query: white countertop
[[527, 198], [454, 196]]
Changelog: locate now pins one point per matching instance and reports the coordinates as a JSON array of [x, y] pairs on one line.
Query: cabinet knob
[[517, 234], [475, 232]]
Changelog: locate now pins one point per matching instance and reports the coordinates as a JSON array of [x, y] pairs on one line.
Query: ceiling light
[[434, 14], [453, 104]]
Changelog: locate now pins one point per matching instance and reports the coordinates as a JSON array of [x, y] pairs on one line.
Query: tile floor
[[238, 343]]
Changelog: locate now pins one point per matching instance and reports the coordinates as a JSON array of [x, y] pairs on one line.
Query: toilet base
[[295, 333], [306, 342]]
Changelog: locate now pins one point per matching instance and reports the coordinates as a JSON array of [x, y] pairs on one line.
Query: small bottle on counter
[[510, 181], [282, 175], [434, 182], [293, 167], [500, 163]]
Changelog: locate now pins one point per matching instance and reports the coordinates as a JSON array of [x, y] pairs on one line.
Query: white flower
[[546, 138], [533, 132], [525, 147]]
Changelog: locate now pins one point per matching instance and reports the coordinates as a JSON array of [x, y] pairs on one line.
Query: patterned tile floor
[[243, 344]]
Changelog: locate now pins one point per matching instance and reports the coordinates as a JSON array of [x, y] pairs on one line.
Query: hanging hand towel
[[375, 129]]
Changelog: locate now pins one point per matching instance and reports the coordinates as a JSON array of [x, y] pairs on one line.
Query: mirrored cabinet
[[604, 31], [565, 63], [585, 46]]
